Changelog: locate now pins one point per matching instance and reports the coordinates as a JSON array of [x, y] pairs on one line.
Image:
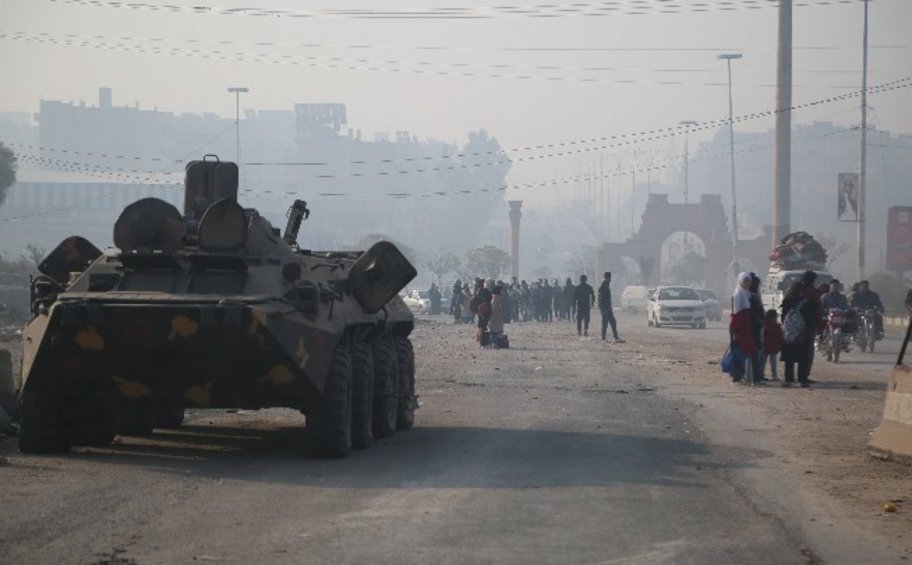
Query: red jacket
[[772, 337], [740, 328]]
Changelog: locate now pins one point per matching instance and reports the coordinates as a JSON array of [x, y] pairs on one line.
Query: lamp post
[[237, 90], [862, 173], [728, 57]]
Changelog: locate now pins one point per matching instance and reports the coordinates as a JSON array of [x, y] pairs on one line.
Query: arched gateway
[[706, 219]]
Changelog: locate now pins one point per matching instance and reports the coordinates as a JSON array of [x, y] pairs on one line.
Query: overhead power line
[[540, 73], [527, 11]]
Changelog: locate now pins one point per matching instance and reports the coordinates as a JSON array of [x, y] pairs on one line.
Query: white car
[[676, 306], [711, 302], [418, 300]]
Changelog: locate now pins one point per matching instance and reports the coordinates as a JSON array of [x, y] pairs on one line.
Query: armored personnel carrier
[[215, 308]]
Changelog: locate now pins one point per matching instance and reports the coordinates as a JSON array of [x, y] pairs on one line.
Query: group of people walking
[[492, 303]]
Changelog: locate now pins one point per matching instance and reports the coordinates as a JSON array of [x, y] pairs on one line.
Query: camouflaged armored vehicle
[[215, 308]]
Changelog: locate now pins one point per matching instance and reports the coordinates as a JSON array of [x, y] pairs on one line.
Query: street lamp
[[728, 57], [237, 90], [687, 123]]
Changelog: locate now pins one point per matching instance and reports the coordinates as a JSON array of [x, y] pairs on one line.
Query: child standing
[[772, 341]]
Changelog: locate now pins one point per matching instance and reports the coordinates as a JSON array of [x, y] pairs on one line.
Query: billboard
[[847, 195], [899, 238]]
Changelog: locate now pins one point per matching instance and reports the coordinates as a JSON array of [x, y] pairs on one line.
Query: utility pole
[[237, 90], [602, 196], [728, 57], [864, 149], [687, 124], [782, 198]]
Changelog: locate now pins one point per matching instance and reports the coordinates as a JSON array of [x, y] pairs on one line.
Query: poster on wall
[[899, 238], [847, 195]]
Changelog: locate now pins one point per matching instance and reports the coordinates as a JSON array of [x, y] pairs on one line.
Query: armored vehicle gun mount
[[215, 308]]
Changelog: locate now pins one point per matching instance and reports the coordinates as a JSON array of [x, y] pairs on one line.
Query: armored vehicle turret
[[215, 308]]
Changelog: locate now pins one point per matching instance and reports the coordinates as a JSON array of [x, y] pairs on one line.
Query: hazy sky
[[590, 70]]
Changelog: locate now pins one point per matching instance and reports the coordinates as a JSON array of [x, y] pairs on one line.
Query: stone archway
[[705, 218]]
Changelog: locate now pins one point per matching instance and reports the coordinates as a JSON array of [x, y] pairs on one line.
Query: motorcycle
[[834, 340], [867, 334]]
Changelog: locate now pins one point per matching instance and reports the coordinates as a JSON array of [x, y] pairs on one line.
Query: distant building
[[430, 194]]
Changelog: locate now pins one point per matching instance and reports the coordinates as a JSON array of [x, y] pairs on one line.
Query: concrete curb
[[893, 438]]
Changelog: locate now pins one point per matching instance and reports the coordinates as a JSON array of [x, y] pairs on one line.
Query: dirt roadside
[[817, 438]]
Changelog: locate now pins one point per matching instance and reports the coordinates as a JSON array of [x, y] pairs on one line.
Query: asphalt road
[[550, 452]]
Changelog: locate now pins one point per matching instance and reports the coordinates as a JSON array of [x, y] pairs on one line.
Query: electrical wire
[[419, 68], [531, 11]]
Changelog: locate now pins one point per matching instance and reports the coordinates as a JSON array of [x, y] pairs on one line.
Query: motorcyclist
[[834, 298], [867, 299]]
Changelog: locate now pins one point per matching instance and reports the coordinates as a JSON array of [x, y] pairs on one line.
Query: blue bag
[[732, 358]]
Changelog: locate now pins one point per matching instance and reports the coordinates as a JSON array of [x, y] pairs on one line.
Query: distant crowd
[[492, 303]]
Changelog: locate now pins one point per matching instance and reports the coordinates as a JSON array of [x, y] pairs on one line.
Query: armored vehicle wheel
[[135, 420], [362, 395], [329, 422], [93, 423], [386, 379], [405, 354], [41, 428]]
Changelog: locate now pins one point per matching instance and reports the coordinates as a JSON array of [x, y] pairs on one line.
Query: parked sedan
[[418, 300], [711, 302], [676, 306]]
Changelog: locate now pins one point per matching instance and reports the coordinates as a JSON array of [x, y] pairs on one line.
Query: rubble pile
[[798, 250]]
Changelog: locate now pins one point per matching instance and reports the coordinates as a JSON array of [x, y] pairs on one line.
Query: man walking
[[583, 298], [604, 301]]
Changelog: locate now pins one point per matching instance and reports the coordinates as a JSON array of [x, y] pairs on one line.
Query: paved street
[[560, 449]]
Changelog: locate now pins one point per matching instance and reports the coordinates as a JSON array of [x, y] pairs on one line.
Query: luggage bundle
[[799, 250], [496, 341]]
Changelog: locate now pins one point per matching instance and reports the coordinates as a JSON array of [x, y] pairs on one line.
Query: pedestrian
[[547, 300], [605, 308], [456, 302], [496, 322], [801, 298], [583, 298], [909, 303], [434, 297], [739, 326], [569, 307], [772, 344], [483, 309], [757, 315]]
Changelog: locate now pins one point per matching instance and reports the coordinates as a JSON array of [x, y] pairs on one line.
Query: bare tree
[[834, 248], [8, 165], [442, 263], [35, 253], [488, 261], [582, 262]]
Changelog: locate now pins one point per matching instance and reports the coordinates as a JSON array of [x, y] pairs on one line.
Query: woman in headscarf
[[482, 307], [757, 316], [801, 296], [739, 325]]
